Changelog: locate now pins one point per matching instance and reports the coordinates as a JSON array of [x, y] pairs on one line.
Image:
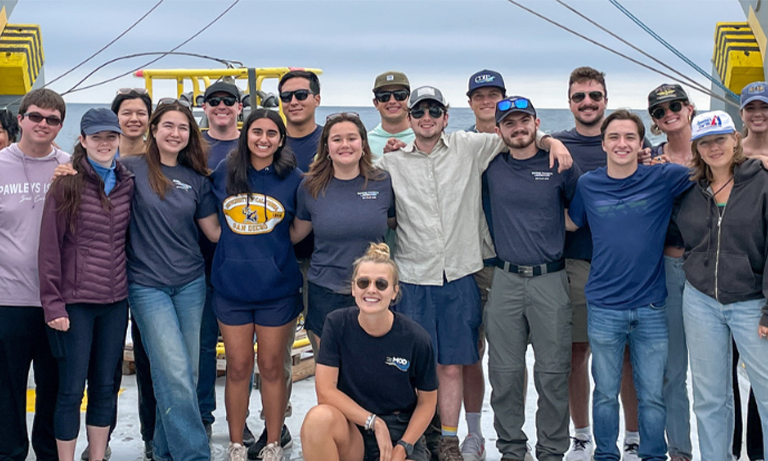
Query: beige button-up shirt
[[440, 224]]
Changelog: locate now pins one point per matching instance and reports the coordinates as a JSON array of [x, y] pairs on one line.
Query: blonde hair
[[699, 168], [378, 253]]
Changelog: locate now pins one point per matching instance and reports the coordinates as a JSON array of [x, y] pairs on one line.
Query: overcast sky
[[438, 43]]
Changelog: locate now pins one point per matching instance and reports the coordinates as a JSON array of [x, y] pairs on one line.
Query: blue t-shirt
[[628, 218]]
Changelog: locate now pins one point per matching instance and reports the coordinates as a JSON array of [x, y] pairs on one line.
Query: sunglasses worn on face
[[139, 91], [434, 112], [34, 117], [214, 101], [596, 96], [518, 103], [674, 106], [342, 114], [364, 282], [301, 95], [384, 96], [180, 102]]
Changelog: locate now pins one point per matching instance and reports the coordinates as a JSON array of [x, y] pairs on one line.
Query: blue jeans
[[169, 319], [709, 326], [675, 386], [646, 331], [209, 336]]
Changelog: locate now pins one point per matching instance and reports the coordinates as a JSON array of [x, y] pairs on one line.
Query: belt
[[531, 271]]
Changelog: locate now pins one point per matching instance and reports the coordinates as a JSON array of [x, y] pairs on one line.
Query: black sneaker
[[285, 442], [248, 438]]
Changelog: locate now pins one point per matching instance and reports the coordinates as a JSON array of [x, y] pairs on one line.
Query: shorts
[[322, 302], [450, 313], [274, 313], [397, 424], [578, 273]]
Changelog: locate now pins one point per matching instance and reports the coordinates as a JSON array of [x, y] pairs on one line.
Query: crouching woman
[[376, 375]]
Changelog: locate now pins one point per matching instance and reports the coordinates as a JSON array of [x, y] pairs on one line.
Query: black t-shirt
[[305, 150], [379, 374]]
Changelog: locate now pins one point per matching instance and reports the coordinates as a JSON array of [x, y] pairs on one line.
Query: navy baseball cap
[[98, 120], [513, 104], [756, 91], [485, 78]]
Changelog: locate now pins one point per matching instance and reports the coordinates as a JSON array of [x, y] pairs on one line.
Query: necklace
[[722, 187]]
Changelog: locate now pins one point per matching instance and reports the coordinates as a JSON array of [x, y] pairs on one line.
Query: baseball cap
[[424, 93], [391, 77], [715, 122], [485, 78], [222, 87], [98, 120], [664, 93], [756, 91], [513, 104]]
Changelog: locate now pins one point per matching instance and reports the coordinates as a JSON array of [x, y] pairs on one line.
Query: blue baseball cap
[[98, 120], [756, 91], [485, 78], [715, 122]]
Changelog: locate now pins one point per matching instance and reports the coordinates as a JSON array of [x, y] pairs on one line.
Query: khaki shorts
[[578, 273]]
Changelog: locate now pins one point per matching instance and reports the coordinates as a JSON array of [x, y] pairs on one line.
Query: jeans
[[209, 336], [169, 319], [646, 330], [709, 326]]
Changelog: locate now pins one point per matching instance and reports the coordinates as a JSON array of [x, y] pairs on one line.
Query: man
[[26, 170], [530, 294], [626, 202], [587, 100], [390, 90], [440, 238]]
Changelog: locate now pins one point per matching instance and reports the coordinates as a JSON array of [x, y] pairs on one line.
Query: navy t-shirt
[[628, 218], [381, 374], [346, 217], [527, 199], [305, 150]]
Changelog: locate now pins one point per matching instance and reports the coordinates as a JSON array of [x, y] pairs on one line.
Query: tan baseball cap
[[391, 78]]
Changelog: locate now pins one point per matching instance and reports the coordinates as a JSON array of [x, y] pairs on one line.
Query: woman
[[723, 221], [133, 107], [9, 128], [347, 202], [83, 281], [255, 277], [754, 114], [671, 112], [375, 377]]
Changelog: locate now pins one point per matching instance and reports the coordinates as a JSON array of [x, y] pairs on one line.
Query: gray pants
[[539, 306]]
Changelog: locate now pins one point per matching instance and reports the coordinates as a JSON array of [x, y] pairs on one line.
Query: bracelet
[[370, 422]]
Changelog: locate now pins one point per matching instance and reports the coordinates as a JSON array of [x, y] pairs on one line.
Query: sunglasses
[[214, 101], [364, 282], [674, 106], [342, 114], [596, 96], [301, 95], [384, 96], [517, 103], [34, 117], [139, 91], [434, 112], [180, 102]]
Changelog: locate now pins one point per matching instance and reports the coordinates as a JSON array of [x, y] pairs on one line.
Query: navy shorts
[[397, 425], [322, 302], [450, 313], [273, 313]]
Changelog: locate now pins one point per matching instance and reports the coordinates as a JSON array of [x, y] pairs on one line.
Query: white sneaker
[[630, 452], [581, 450], [237, 452], [528, 455], [272, 452], [473, 448]]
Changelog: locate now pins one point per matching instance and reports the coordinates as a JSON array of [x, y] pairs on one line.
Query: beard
[[514, 142], [590, 123]]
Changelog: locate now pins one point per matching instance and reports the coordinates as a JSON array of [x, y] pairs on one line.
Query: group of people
[[586, 242]]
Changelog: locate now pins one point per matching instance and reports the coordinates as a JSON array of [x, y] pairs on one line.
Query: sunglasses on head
[[214, 101], [180, 102], [596, 96], [301, 95], [34, 117], [434, 112], [518, 103], [364, 282], [139, 91], [342, 114], [384, 96], [659, 111]]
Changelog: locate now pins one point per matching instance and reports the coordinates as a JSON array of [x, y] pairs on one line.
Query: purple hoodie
[[23, 183]]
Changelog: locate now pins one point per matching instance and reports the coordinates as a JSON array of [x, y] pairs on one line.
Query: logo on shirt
[[28, 192], [368, 195], [399, 363], [542, 175], [181, 185], [252, 214]]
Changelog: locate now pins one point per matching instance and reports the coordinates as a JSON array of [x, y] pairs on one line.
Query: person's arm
[[420, 419], [557, 151], [211, 227], [299, 230], [64, 169], [576, 214], [392, 222], [53, 227], [570, 226]]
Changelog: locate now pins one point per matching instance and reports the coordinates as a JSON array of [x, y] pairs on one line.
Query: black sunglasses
[[34, 117], [596, 96], [180, 102], [301, 95], [659, 111], [384, 96], [364, 282], [342, 114], [434, 112], [214, 101]]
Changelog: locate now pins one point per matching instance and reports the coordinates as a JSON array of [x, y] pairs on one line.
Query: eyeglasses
[[301, 95], [659, 111], [596, 96], [214, 101], [384, 96], [139, 91], [180, 102], [342, 114], [434, 112], [518, 103], [364, 282], [34, 117]]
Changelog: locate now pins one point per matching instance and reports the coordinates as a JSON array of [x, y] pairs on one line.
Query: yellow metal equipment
[[737, 55]]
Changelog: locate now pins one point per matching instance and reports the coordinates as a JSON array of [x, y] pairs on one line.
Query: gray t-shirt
[[346, 218], [163, 248]]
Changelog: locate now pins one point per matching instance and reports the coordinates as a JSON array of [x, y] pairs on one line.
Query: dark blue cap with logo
[[485, 78], [98, 120], [755, 91]]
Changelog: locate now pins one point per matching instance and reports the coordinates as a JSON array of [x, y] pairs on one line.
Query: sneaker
[[448, 449], [149, 454], [254, 451], [528, 455], [685, 458], [271, 452], [581, 450], [236, 452], [630, 452], [248, 438], [473, 448], [85, 455]]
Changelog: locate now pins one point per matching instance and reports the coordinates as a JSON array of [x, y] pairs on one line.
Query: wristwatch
[[407, 446]]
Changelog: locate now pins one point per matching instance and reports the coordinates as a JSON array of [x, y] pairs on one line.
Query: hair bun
[[378, 251]]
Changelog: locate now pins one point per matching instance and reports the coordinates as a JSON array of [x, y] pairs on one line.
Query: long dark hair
[[10, 124], [194, 155], [239, 160]]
